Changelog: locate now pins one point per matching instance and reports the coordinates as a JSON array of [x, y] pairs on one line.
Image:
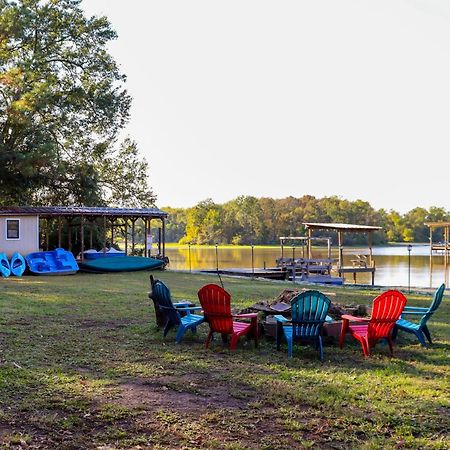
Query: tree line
[[251, 220]]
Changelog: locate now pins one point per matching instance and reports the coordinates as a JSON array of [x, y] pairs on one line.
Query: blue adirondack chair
[[420, 329], [174, 314], [308, 311]]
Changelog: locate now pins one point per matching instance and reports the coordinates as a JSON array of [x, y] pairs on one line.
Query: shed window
[[12, 229]]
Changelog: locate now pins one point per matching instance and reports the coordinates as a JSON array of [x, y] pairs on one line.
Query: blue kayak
[[5, 268], [17, 264], [54, 262]]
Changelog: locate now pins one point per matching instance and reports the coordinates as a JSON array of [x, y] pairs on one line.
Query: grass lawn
[[82, 365]]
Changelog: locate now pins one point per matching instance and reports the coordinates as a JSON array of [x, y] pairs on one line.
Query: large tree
[[62, 106]]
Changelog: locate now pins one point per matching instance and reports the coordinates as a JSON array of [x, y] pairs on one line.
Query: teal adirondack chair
[[420, 329], [174, 314], [308, 311]]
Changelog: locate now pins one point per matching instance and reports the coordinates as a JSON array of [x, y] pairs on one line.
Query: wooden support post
[[340, 245], [145, 236], [69, 234], [82, 237], [133, 220], [47, 233], [126, 236], [329, 248], [370, 247], [112, 220], [159, 241], [104, 234], [164, 238], [309, 243], [59, 231], [91, 240]]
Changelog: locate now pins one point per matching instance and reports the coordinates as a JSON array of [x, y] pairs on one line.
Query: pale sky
[[277, 98]]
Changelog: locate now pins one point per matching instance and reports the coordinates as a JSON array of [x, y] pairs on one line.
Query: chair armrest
[[248, 315], [414, 308], [189, 308], [354, 319], [417, 313], [182, 303], [281, 319]]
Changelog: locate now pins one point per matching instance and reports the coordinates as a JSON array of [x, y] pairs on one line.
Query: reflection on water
[[391, 262]]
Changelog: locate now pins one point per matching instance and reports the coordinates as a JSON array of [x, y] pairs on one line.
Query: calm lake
[[391, 262]]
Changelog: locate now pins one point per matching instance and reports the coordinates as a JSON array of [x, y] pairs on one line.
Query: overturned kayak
[[123, 264], [17, 264], [54, 262], [5, 268]]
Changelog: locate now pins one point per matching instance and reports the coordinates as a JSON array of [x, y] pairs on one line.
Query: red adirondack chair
[[216, 305], [386, 310]]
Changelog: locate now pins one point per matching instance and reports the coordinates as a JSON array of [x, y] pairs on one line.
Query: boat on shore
[[17, 264], [53, 262], [123, 264], [5, 267]]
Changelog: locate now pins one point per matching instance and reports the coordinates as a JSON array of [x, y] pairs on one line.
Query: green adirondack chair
[[420, 329], [309, 311], [174, 314]]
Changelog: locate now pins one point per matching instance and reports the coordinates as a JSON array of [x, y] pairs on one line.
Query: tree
[[62, 105]]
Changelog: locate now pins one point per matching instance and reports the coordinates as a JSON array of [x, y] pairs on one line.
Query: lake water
[[391, 262]]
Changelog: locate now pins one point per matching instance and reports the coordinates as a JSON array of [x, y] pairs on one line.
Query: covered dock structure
[[341, 229], [27, 228]]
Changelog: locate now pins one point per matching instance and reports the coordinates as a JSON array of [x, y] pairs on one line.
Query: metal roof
[[341, 227], [55, 211], [437, 224]]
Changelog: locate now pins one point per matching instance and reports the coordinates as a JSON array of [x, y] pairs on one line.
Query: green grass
[[82, 365]]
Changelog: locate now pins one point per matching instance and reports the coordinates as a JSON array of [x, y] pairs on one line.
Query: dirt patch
[[189, 393]]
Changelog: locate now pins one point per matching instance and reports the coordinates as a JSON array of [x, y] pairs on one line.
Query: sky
[[287, 98]]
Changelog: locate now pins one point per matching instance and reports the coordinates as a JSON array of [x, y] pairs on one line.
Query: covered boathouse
[[26, 229]]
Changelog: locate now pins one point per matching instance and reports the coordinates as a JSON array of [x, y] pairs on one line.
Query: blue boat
[[17, 264], [94, 254], [5, 268], [54, 262]]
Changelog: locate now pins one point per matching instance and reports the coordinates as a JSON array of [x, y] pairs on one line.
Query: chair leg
[[168, 326], [208, 339], [426, 332], [180, 333], [319, 340], [421, 338], [234, 341], [343, 332], [391, 347], [394, 333], [365, 347], [289, 343]]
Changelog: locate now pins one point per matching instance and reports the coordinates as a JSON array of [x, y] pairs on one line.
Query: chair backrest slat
[[437, 299], [386, 310], [309, 310], [216, 305], [161, 294]]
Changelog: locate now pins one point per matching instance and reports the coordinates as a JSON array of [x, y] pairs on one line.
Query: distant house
[[25, 229]]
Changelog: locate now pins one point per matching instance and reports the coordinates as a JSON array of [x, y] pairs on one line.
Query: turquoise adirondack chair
[[308, 311], [174, 314], [420, 329]]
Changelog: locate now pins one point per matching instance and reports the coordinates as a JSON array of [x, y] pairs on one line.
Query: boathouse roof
[[341, 227], [73, 211]]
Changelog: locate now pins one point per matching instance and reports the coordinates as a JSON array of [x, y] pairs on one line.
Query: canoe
[[5, 268], [54, 262], [17, 264], [123, 264], [94, 254]]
